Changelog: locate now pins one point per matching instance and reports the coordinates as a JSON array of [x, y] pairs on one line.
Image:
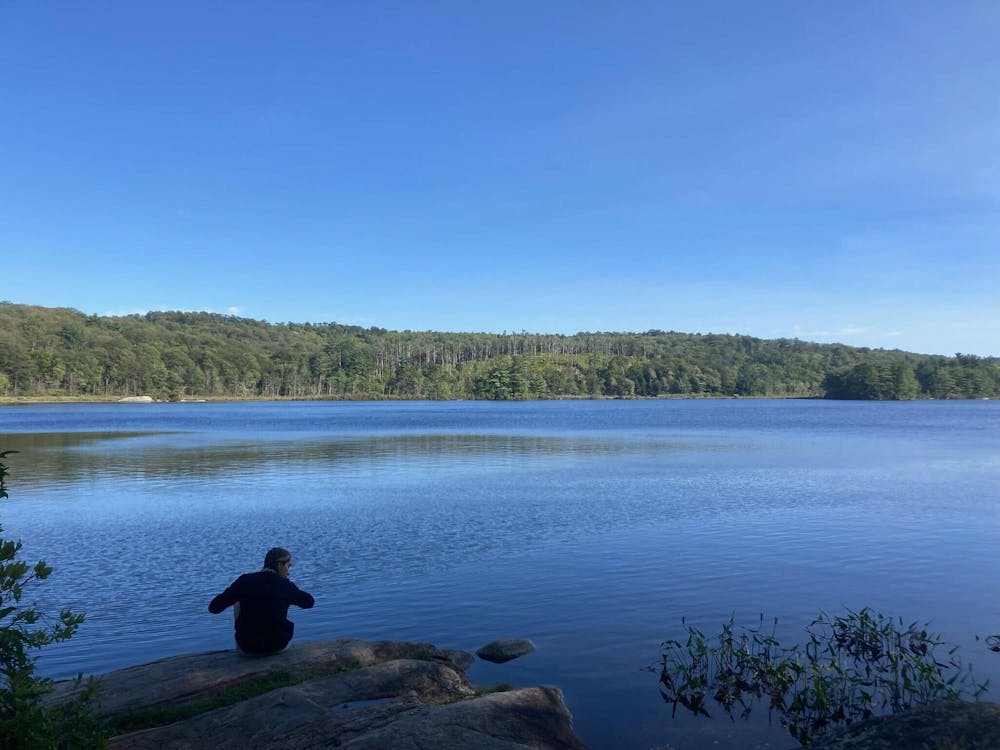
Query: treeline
[[173, 355]]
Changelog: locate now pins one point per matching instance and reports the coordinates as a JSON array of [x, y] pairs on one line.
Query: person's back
[[261, 602]]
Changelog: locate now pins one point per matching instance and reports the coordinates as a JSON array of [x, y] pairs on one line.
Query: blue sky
[[826, 171]]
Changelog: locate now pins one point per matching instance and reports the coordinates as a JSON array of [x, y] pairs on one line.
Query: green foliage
[[853, 667], [26, 722], [873, 380], [172, 355]]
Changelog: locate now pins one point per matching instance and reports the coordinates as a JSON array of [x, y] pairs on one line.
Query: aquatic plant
[[852, 667]]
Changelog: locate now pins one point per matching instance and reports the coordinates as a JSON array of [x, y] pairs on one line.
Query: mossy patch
[[149, 718]]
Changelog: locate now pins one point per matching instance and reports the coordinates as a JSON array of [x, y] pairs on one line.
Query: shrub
[[26, 722]]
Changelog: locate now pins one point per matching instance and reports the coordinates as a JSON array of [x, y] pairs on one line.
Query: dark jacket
[[262, 625]]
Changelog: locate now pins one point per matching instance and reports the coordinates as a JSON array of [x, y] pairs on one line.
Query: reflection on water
[[56, 456], [70, 457], [590, 527]]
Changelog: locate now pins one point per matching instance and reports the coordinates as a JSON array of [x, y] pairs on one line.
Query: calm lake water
[[590, 527]]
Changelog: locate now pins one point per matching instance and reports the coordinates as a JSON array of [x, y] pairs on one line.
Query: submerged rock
[[945, 725], [505, 649], [344, 693]]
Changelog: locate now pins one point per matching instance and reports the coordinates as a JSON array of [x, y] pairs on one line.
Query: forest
[[60, 352]]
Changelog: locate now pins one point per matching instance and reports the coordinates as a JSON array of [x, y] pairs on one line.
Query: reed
[[851, 667]]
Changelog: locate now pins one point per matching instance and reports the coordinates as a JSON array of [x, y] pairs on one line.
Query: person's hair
[[274, 556]]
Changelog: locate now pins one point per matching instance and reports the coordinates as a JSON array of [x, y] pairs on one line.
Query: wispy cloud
[[847, 330], [347, 319], [123, 313], [231, 310], [857, 334]]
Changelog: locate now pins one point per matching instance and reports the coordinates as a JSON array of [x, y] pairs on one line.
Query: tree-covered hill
[[172, 355]]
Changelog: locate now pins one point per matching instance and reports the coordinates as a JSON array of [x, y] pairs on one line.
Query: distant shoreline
[[167, 356], [24, 400]]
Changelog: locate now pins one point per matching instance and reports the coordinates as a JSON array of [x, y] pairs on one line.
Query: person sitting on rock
[[260, 604]]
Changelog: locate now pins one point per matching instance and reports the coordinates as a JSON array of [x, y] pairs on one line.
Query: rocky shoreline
[[374, 695], [344, 693]]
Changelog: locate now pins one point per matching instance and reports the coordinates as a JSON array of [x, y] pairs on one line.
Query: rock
[[946, 725], [348, 693], [527, 718], [136, 400], [505, 649], [180, 680], [320, 707]]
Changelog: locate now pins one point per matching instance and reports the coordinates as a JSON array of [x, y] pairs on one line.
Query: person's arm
[[226, 599], [300, 598]]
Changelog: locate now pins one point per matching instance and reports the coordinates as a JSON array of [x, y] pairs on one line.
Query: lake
[[590, 527]]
